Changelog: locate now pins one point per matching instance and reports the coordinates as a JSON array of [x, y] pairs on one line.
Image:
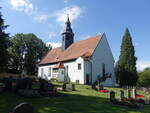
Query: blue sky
[[46, 18]]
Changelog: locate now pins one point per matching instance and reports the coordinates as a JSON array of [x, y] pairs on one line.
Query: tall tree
[[36, 49], [127, 62], [4, 42]]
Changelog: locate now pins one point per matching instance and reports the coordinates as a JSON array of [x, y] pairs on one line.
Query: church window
[[79, 66], [55, 70]]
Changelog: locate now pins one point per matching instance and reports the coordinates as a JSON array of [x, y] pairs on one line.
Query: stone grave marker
[[129, 93], [23, 108], [73, 87], [112, 96], [122, 95], [134, 93]]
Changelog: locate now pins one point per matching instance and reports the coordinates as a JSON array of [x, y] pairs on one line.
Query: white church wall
[[102, 55], [73, 72]]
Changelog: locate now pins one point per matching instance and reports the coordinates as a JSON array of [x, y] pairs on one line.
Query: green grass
[[83, 100]]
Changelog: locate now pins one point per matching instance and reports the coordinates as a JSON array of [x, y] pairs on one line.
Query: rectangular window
[[79, 66], [55, 70]]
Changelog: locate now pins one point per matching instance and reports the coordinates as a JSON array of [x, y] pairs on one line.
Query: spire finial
[[68, 20]]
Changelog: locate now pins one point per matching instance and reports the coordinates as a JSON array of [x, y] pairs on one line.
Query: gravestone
[[101, 87], [112, 96], [64, 87], [23, 108], [69, 87], [129, 93], [134, 93], [48, 87], [73, 87], [122, 95]]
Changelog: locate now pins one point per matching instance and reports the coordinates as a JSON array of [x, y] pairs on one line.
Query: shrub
[[144, 78], [53, 80]]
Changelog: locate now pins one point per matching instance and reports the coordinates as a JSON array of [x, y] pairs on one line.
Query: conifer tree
[[3, 45], [127, 62]]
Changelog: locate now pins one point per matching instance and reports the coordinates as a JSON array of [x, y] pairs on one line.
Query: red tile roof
[[83, 48]]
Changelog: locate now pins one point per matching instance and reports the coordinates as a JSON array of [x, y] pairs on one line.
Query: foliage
[[4, 43], [117, 72], [53, 80], [36, 49], [126, 70], [144, 78]]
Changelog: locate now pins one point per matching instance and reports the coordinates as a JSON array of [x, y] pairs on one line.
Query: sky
[[46, 18]]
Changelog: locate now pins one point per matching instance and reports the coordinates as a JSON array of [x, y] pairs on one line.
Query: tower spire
[[67, 35], [68, 25]]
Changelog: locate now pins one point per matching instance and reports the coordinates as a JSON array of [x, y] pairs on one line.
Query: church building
[[81, 62]]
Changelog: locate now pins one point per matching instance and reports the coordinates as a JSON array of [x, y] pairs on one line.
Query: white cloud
[[66, 1], [52, 35], [41, 18], [54, 44], [73, 11], [142, 65], [22, 5]]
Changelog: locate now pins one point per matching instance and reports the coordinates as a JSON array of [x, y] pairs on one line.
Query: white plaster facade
[[90, 68]]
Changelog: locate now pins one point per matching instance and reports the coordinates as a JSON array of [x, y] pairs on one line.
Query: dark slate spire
[[67, 35]]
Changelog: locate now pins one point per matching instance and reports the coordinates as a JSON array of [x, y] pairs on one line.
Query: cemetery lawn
[[83, 100]]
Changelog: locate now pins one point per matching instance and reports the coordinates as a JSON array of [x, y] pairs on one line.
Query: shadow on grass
[[73, 103]]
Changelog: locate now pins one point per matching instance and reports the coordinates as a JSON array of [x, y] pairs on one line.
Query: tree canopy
[[144, 77], [126, 67], [4, 43], [36, 49]]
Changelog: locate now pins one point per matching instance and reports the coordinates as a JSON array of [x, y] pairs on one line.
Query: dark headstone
[[112, 96], [42, 84], [23, 108], [64, 87], [94, 87], [101, 87], [73, 87], [122, 95], [48, 87], [129, 93]]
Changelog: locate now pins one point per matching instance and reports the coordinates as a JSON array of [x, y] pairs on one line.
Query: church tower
[[67, 35]]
